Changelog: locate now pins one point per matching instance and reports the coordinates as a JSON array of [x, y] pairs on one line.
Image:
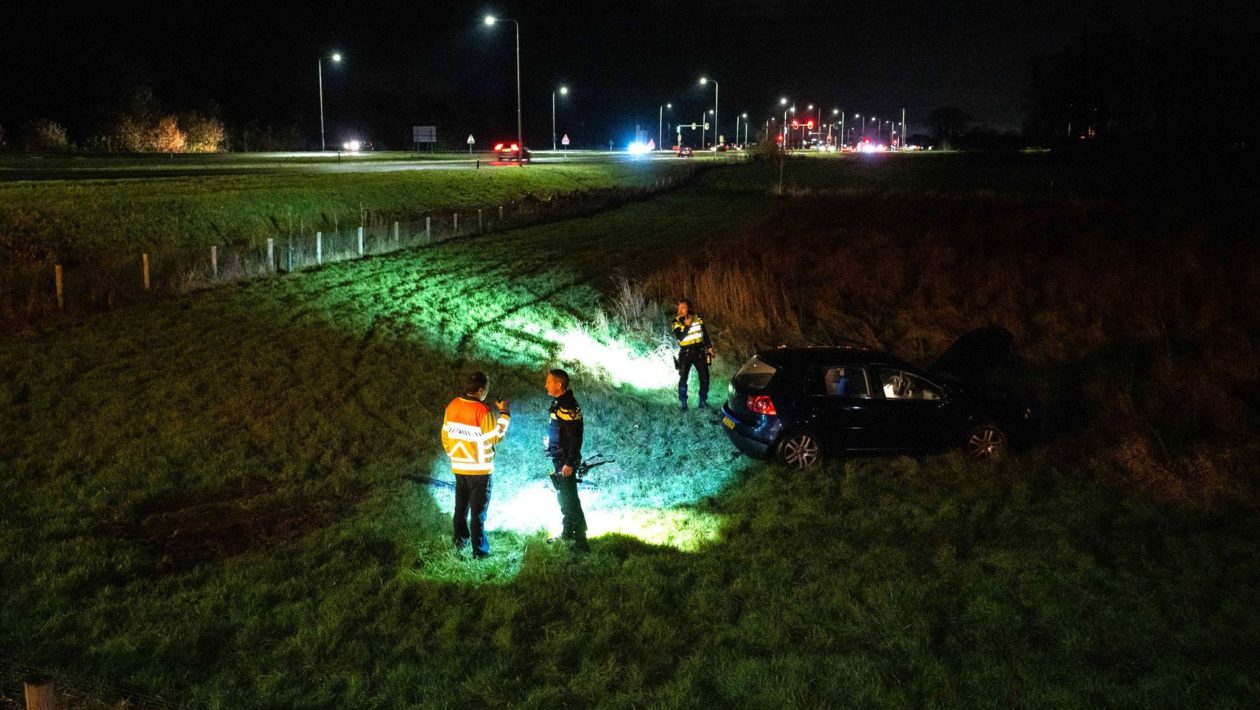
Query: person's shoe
[[704, 405], [480, 555], [682, 406], [580, 545]]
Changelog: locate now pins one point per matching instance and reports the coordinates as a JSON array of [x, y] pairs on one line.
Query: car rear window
[[755, 374]]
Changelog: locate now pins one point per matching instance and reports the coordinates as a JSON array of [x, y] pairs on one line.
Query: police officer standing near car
[[695, 349], [564, 448]]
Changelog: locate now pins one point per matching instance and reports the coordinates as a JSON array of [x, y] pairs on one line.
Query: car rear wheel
[[800, 449], [986, 441]]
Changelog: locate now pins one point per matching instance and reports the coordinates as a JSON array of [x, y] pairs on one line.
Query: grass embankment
[[221, 498], [76, 219]]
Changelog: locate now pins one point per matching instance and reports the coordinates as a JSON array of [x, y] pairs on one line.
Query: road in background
[[114, 168]]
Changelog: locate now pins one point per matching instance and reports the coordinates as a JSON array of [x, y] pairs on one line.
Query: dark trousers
[[688, 358], [570, 507], [472, 500]]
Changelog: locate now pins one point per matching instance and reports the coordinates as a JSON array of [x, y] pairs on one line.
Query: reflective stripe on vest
[[695, 334]]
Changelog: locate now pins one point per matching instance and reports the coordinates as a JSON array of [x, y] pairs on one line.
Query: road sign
[[565, 141], [424, 134], [470, 140]]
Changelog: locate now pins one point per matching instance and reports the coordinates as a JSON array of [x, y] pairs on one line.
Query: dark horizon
[[440, 64]]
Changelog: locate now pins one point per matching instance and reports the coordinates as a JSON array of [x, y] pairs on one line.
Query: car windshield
[[898, 384], [754, 375]]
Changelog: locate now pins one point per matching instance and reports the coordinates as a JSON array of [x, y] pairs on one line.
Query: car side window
[[841, 381], [898, 384]]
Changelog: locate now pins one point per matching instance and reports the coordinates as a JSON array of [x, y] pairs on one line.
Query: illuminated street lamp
[[520, 133], [745, 117], [703, 81], [319, 68], [564, 91], [660, 128]]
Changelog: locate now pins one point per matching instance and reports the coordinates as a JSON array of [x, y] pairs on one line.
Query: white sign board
[[424, 134], [565, 141], [470, 140]]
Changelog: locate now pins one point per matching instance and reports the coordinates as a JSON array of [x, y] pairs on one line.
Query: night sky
[[435, 62]]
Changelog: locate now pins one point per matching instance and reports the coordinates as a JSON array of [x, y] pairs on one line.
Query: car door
[[909, 408], [839, 396]]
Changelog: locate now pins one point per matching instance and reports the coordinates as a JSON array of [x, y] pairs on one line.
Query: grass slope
[[221, 498], [80, 218]]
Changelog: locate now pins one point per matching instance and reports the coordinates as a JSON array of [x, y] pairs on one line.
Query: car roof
[[813, 355]]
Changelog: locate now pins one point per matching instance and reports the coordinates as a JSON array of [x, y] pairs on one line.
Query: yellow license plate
[[728, 422]]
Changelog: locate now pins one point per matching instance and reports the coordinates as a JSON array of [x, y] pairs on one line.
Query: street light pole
[[716, 116], [660, 128], [319, 71], [520, 132], [564, 90]]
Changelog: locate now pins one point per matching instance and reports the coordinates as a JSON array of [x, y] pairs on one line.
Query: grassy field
[[78, 219], [237, 499]]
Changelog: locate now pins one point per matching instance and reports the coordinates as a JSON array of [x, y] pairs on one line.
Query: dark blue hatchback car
[[804, 404]]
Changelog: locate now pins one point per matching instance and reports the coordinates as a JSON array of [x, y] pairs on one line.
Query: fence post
[[360, 241], [319, 247], [395, 234], [480, 225], [144, 268], [271, 255], [456, 224], [39, 694], [61, 298], [214, 260], [500, 213], [428, 233]]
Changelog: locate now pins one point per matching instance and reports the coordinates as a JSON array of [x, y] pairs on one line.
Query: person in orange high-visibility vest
[[470, 433]]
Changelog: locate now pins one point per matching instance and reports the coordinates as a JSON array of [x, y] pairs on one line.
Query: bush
[[205, 134], [45, 136], [167, 136], [133, 136]]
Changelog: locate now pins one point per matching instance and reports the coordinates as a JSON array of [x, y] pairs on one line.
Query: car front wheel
[[800, 449], [984, 442]]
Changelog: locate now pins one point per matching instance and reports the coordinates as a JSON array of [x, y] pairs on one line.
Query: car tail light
[[761, 404], [498, 146], [514, 147]]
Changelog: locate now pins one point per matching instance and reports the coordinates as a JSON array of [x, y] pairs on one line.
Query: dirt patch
[[186, 532]]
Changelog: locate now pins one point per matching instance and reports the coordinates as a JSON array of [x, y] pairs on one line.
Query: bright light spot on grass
[[619, 362], [681, 529], [532, 508]]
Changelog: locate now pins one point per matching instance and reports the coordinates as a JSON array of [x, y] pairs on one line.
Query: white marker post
[[470, 142]]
